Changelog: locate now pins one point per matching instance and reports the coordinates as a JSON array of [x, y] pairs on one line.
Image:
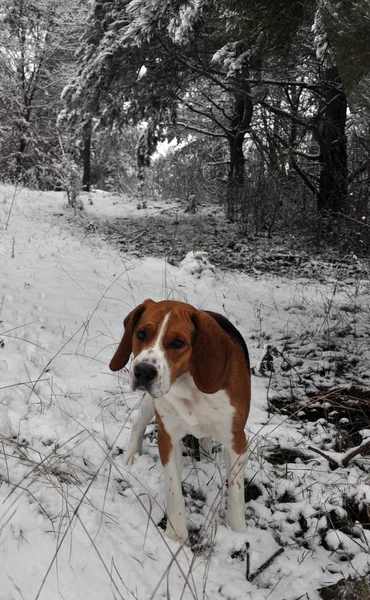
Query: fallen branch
[[247, 562], [332, 461], [264, 566], [362, 450]]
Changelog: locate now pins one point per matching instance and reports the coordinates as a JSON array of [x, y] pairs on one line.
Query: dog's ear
[[122, 354], [212, 352]]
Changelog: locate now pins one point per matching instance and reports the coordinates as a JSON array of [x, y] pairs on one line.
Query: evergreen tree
[[37, 40], [143, 60], [227, 69]]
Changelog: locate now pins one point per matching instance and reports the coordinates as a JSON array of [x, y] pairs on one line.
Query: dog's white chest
[[185, 409]]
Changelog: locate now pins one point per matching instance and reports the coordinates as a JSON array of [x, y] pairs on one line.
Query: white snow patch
[[74, 521]]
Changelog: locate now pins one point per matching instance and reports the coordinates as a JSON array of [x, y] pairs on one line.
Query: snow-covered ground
[[76, 523]]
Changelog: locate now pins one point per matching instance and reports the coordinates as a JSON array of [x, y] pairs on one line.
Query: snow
[[74, 521], [197, 264]]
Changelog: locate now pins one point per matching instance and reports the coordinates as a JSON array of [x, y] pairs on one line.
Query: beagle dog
[[194, 367]]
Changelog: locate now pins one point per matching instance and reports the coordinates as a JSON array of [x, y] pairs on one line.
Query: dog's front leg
[[235, 466], [170, 453], [146, 413]]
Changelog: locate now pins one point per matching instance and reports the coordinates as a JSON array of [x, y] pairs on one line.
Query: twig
[[358, 221], [290, 364], [139, 235], [266, 564], [5, 387], [247, 562], [328, 458], [11, 208], [362, 450]]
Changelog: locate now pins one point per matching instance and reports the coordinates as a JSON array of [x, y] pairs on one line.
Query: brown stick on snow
[[328, 458], [363, 450], [266, 564]]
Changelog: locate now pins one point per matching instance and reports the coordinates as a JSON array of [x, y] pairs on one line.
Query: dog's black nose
[[144, 374]]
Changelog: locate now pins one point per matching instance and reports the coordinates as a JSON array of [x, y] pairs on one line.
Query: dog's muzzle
[[144, 375]]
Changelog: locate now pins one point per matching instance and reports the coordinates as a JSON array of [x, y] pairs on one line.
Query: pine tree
[[37, 40], [220, 68]]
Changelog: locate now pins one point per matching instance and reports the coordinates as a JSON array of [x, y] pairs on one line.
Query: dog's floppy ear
[[211, 355], [122, 354]]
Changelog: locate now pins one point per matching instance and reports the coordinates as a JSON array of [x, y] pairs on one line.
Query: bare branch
[[359, 171], [208, 115], [361, 450], [199, 130], [328, 458], [308, 156]]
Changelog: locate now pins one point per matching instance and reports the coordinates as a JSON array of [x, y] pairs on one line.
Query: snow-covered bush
[[196, 263]]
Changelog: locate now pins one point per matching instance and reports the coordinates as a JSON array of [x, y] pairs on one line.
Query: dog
[[193, 366]]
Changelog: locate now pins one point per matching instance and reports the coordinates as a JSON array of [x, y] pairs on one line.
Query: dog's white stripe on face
[[161, 332], [155, 355]]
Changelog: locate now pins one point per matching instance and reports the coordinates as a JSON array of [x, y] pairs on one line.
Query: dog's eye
[[177, 344], [141, 335]]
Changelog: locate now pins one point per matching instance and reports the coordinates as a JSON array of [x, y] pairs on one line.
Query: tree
[[347, 24], [37, 42], [86, 154], [331, 130], [156, 61], [226, 69]]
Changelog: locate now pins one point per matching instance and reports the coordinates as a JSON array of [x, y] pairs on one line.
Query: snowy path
[[74, 523]]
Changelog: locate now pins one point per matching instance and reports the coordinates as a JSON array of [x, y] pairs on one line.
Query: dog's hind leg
[[146, 414]]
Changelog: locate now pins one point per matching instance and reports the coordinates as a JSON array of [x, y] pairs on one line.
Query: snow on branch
[[148, 17], [182, 25], [322, 47], [232, 59]]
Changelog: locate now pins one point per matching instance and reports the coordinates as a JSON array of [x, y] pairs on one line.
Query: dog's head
[[169, 339]]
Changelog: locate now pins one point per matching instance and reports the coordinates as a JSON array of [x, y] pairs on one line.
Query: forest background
[[262, 106]]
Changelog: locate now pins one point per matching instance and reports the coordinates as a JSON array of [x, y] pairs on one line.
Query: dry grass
[[348, 589]]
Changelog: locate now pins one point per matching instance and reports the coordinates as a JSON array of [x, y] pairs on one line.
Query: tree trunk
[[22, 146], [19, 157], [333, 190], [22, 142], [86, 178], [242, 111], [235, 182]]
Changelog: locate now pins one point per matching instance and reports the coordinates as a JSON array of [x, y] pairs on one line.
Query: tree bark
[[86, 178], [333, 185], [242, 116], [235, 183]]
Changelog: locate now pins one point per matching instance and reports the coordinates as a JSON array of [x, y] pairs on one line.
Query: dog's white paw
[[180, 535], [237, 523], [129, 458]]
